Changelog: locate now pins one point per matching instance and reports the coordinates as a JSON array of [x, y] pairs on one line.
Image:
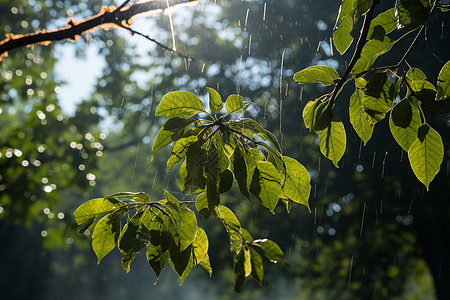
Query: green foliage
[[214, 153], [375, 97]]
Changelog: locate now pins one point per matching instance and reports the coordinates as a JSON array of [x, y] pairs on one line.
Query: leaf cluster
[[214, 151], [400, 90]]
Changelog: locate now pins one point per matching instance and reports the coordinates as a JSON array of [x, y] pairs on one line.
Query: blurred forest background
[[373, 233]]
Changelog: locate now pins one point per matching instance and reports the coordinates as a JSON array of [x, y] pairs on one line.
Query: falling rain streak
[[171, 27], [384, 164], [362, 220], [350, 271], [281, 87], [265, 6]]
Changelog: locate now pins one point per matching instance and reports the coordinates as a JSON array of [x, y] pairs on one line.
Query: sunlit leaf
[[239, 271], [404, 123], [92, 208], [232, 226], [333, 140], [194, 181], [199, 252], [105, 235], [128, 241], [297, 184], [240, 171], [234, 103], [247, 262], [181, 103], [370, 52], [271, 250], [179, 260], [257, 266], [317, 74], [179, 150], [184, 222], [411, 13], [379, 93], [443, 83], [426, 154], [359, 117], [266, 184], [383, 24], [322, 116], [308, 113], [201, 204], [170, 132], [215, 101], [342, 35]]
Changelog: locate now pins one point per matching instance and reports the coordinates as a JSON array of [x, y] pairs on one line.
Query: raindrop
[[350, 271], [171, 27], [135, 161], [410, 206], [265, 6], [384, 164], [362, 220], [360, 148], [249, 44], [246, 19], [154, 179], [44, 233], [373, 160]]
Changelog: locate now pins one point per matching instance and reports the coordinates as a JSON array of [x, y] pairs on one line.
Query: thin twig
[[107, 16], [171, 50]]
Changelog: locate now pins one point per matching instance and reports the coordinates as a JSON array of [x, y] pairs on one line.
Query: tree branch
[[357, 54], [115, 17]]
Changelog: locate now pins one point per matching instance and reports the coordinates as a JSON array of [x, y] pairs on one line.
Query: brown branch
[[108, 17]]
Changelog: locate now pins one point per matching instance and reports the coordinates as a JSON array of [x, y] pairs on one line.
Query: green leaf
[[317, 74], [426, 154], [127, 260], [105, 235], [359, 117], [170, 132], [415, 74], [239, 271], [370, 52], [266, 185], [92, 208], [179, 260], [226, 181], [247, 262], [308, 113], [194, 179], [201, 204], [234, 103], [199, 252], [322, 116], [343, 34], [257, 266], [157, 258], [183, 221], [240, 171], [128, 239], [297, 184], [379, 93], [246, 236], [215, 101], [333, 140], [443, 83], [404, 123], [176, 104], [383, 24], [412, 13], [271, 250], [179, 150], [158, 248], [212, 177], [256, 128], [232, 226]]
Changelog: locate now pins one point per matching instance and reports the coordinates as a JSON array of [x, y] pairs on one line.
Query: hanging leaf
[[379, 93], [232, 226], [179, 150], [404, 123], [317, 74], [176, 104], [443, 83], [411, 13], [257, 266], [426, 154], [359, 117], [171, 132], [333, 140], [266, 184], [297, 184], [105, 235], [271, 250]]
